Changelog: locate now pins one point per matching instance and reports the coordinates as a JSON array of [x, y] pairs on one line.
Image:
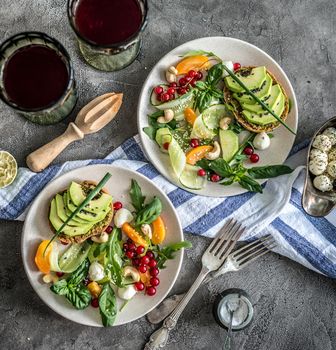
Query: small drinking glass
[[108, 56], [55, 111]]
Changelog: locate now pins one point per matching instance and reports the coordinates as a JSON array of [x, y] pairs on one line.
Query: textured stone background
[[295, 308]]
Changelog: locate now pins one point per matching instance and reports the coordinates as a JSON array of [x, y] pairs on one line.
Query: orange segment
[[197, 154], [190, 115], [42, 261], [159, 231], [145, 278], [193, 63], [133, 235]]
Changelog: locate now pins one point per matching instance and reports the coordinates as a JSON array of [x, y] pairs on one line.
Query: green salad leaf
[[167, 253], [149, 213], [114, 257], [79, 297], [107, 305], [137, 198]]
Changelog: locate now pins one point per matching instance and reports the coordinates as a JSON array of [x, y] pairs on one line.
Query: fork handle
[[159, 338]]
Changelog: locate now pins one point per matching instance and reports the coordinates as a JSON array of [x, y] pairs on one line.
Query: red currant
[[145, 260], [215, 178], [125, 247], [150, 291], [192, 74], [254, 158], [182, 81], [139, 286], [108, 229], [201, 172], [188, 79], [166, 145], [154, 281], [173, 85], [193, 83], [136, 262], [59, 274], [142, 268], [152, 263], [95, 302], [248, 150], [158, 90], [194, 143], [150, 254], [154, 271], [117, 205], [131, 247], [236, 66], [182, 91], [171, 91], [130, 254], [140, 250], [172, 96], [165, 97], [199, 76]]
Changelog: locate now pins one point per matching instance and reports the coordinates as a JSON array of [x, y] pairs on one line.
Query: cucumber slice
[[163, 135], [200, 130], [177, 157], [190, 178], [179, 104], [53, 258], [212, 115], [229, 143], [73, 257], [153, 97]]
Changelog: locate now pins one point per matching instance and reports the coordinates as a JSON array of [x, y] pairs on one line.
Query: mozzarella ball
[[318, 154], [332, 154], [331, 169], [322, 142], [228, 64], [261, 141], [331, 133], [323, 183], [96, 271], [317, 166], [122, 216], [127, 292]]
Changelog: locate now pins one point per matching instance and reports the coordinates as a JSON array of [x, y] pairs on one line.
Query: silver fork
[[212, 259], [236, 261]]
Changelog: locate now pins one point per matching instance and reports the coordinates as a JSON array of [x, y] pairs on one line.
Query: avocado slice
[[67, 230], [270, 101], [83, 214], [266, 118], [229, 144], [77, 196], [251, 78], [261, 93]]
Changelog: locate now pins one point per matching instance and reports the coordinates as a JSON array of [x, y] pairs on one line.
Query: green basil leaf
[[114, 255], [205, 101], [215, 74], [60, 287], [204, 164], [107, 305], [79, 297], [136, 196], [150, 131], [149, 213], [220, 167], [80, 274], [168, 251], [201, 85], [250, 184], [228, 182], [217, 93], [266, 172]]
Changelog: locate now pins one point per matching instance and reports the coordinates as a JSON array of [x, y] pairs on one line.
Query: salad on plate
[[104, 252], [214, 119]]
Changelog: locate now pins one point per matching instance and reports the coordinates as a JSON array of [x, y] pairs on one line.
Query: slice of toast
[[228, 98]]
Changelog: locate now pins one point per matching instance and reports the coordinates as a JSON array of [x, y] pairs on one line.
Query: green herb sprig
[[154, 125], [168, 252]]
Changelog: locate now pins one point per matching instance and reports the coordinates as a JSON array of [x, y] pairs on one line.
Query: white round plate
[[229, 49], [36, 228]]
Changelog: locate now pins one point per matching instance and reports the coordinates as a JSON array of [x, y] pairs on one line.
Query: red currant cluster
[[249, 151], [143, 262], [180, 88]]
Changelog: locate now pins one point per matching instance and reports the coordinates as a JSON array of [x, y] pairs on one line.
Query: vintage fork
[[212, 259], [236, 261]]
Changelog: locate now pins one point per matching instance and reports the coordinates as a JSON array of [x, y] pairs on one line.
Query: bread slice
[[96, 230], [228, 98]]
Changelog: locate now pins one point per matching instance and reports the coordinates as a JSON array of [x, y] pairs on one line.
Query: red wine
[[107, 22], [35, 77]]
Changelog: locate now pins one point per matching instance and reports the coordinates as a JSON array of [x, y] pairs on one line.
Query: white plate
[[36, 228], [229, 49]]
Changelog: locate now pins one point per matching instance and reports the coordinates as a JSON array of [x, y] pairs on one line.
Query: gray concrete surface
[[295, 308]]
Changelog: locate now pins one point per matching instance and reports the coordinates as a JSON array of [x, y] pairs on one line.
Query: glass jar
[[109, 57], [57, 110]]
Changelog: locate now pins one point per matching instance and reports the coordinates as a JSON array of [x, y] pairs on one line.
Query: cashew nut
[[102, 238], [49, 278], [168, 116], [173, 70], [214, 154], [170, 77], [130, 271], [147, 230], [224, 123]]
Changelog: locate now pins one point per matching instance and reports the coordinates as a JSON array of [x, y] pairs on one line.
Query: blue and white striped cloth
[[310, 241]]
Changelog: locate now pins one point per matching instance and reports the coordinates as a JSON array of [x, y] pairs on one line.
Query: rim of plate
[[143, 136], [178, 258]]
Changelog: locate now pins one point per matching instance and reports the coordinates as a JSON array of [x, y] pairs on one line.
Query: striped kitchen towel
[[308, 240]]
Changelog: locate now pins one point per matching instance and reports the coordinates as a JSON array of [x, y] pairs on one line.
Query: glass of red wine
[[108, 31], [37, 78]]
